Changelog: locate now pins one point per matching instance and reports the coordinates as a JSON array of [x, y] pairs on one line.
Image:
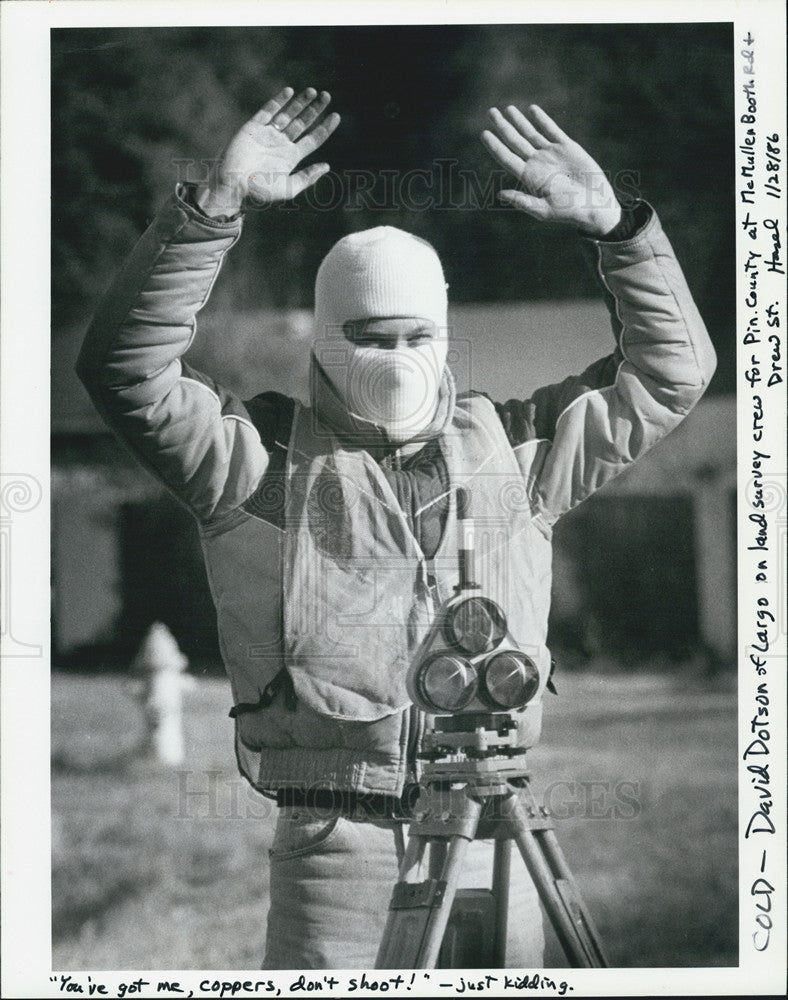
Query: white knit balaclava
[[382, 273]]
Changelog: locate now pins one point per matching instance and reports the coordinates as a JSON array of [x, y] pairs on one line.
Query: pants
[[331, 883]]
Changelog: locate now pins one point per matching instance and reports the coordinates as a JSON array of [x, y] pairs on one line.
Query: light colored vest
[[343, 595], [356, 586]]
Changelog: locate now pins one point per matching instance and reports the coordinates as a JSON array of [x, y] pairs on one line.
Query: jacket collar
[[355, 431]]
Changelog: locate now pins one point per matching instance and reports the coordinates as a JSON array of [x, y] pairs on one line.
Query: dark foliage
[[134, 110]]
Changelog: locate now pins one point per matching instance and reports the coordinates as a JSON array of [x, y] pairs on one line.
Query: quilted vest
[[358, 592], [341, 595]]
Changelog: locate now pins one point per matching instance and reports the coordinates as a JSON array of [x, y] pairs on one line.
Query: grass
[[158, 869]]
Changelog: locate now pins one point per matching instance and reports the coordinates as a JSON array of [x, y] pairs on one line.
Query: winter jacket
[[289, 507]]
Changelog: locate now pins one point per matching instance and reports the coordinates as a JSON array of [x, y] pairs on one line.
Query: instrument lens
[[447, 682], [510, 680], [475, 625]]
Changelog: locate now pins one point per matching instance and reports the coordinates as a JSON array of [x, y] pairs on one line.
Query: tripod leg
[[399, 843], [557, 888], [419, 911], [438, 851], [502, 864], [570, 894], [412, 859]]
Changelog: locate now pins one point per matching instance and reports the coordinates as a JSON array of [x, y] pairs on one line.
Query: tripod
[[474, 786]]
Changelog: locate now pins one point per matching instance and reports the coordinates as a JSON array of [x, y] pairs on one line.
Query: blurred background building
[[645, 570]]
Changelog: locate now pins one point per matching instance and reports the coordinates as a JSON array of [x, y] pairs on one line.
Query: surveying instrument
[[470, 675]]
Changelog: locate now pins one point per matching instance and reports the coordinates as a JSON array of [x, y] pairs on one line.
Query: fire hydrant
[[161, 665]]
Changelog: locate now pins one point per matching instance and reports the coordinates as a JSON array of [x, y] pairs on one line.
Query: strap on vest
[[432, 579], [429, 578], [270, 691]]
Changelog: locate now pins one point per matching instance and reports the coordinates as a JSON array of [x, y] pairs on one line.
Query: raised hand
[[260, 161], [562, 182]]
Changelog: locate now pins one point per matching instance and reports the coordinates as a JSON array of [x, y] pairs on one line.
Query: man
[[329, 531]]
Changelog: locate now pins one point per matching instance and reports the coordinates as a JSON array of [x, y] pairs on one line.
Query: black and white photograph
[[407, 443]]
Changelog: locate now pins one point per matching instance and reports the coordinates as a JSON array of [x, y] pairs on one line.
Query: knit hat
[[382, 272]]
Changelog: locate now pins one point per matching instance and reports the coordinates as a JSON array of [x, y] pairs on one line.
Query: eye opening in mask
[[390, 332]]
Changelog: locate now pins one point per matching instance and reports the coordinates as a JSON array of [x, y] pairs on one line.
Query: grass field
[[156, 869]]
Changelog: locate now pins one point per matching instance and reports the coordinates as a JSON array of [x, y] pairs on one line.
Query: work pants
[[331, 883]]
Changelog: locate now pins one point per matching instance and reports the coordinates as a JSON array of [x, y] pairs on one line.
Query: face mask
[[388, 278], [394, 388]]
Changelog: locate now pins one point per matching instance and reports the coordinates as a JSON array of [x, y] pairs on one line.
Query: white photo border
[[759, 67]]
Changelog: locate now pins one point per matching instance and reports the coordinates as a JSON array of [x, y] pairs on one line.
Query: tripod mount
[[474, 785]]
